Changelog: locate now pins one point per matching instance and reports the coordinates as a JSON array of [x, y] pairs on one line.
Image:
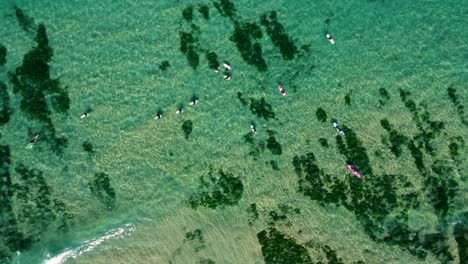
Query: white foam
[[90, 245]]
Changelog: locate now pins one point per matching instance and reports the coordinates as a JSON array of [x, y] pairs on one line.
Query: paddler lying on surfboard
[[282, 91], [338, 128], [330, 38], [354, 171]]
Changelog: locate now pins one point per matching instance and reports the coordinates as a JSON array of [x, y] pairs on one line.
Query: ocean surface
[[120, 186]]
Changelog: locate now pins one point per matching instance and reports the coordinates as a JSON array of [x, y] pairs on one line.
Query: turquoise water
[[151, 206]]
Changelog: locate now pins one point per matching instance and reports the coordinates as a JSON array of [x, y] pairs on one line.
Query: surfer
[[354, 171], [227, 76], [330, 38], [179, 111], [254, 129], [34, 139], [338, 128], [84, 115], [227, 67], [282, 91], [158, 116], [194, 101]]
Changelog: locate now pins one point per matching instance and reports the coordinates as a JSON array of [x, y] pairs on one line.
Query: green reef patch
[[33, 83], [456, 100], [244, 36], [26, 22], [397, 140], [321, 114], [5, 110], [261, 108], [195, 238], [277, 247], [252, 212], [101, 187], [187, 127], [28, 207], [278, 35], [3, 54], [217, 191], [164, 65], [204, 10], [226, 8], [272, 144]]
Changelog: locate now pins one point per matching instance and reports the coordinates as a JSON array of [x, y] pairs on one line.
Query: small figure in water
[[158, 116], [84, 115], [282, 91], [179, 111], [34, 139], [330, 38], [338, 128], [216, 69], [227, 76], [254, 129], [227, 67], [194, 101], [354, 171]]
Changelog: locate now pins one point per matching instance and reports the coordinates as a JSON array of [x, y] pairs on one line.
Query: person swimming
[[158, 116], [226, 66], [179, 111], [216, 69], [330, 38], [34, 139], [282, 91], [354, 171], [254, 129], [194, 101], [338, 128], [84, 115], [227, 76]]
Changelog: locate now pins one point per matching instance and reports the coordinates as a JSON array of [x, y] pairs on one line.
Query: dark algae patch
[[3, 54], [204, 10], [460, 232], [188, 44], [101, 187], [244, 36], [26, 22], [280, 248], [456, 100], [321, 114], [212, 59], [347, 99], [273, 145], [33, 82], [195, 238], [384, 96], [187, 13], [164, 65], [252, 213], [397, 140], [187, 127], [354, 151], [88, 147], [225, 8], [261, 108], [217, 191], [278, 35], [5, 110], [323, 142], [28, 208]]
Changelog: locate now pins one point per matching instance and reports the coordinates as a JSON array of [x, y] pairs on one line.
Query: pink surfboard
[[353, 170], [282, 91]]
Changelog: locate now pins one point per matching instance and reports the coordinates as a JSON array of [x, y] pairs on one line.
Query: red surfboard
[[282, 91]]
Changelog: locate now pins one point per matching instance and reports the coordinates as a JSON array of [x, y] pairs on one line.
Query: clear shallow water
[[108, 53]]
